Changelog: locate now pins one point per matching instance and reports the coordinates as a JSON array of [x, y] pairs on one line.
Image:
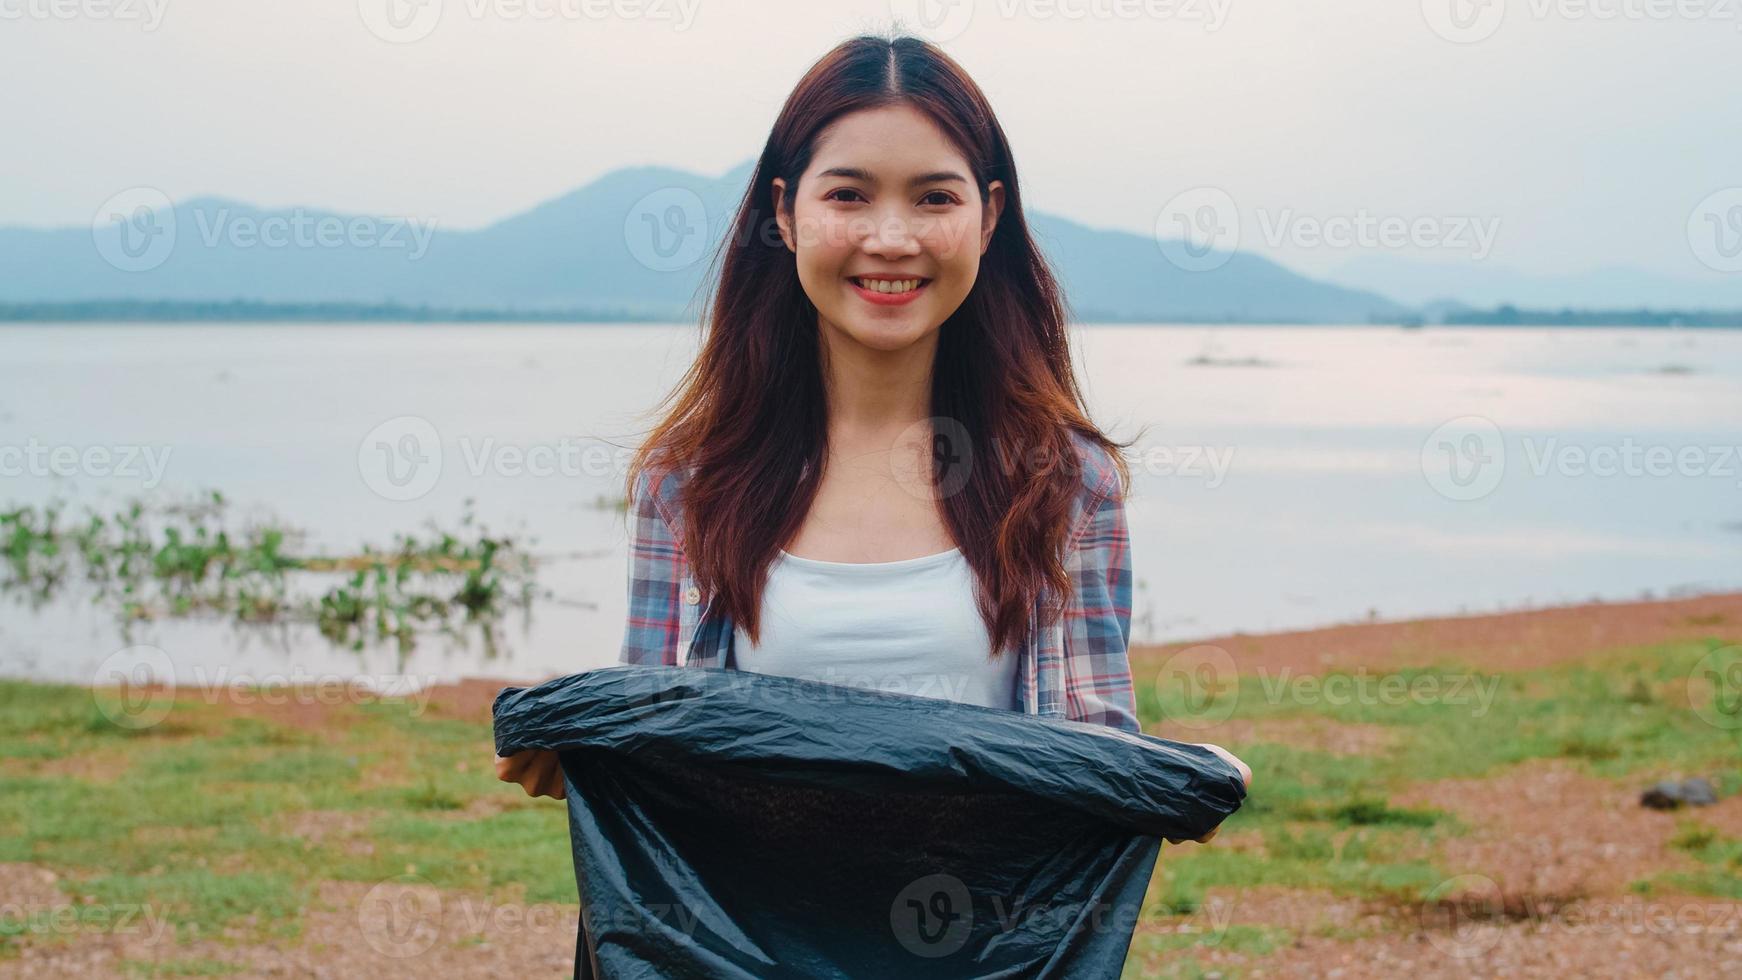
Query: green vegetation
[[223, 825], [1722, 876], [179, 968], [151, 561], [226, 823], [1623, 713], [1323, 821]]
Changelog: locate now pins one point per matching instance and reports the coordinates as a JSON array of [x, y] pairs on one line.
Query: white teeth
[[888, 285]]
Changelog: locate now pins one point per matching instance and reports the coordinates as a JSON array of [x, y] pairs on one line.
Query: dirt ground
[[1497, 642], [1551, 850], [1549, 858]]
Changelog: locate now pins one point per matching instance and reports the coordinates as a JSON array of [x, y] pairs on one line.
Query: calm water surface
[[1286, 477]]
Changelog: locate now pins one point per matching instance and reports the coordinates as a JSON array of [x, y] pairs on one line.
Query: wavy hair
[[748, 420]]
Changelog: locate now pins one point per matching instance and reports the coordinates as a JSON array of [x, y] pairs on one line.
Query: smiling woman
[[880, 467], [891, 220]]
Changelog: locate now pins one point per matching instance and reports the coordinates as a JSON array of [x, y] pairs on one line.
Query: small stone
[[1669, 794], [1666, 795], [1698, 792]]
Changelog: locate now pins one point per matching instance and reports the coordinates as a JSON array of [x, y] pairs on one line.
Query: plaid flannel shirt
[[1076, 669]]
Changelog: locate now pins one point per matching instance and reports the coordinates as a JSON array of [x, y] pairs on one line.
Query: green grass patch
[[527, 846], [1308, 862], [197, 828], [1624, 712], [201, 901], [1251, 940], [194, 967], [1185, 968], [1723, 856], [1326, 820], [1379, 813]]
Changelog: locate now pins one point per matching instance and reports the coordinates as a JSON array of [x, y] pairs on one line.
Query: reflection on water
[[1286, 477]]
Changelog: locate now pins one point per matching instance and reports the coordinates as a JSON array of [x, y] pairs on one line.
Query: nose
[[890, 236]]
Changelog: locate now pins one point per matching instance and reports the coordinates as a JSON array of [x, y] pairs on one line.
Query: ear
[[781, 217], [994, 207]]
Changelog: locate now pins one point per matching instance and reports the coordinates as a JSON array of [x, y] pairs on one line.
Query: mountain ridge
[[595, 247]]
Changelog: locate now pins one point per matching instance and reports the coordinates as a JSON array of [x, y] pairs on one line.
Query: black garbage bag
[[728, 824]]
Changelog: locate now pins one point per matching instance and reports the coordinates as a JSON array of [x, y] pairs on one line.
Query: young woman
[[879, 471]]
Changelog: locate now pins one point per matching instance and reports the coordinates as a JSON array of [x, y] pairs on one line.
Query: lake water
[[1288, 477]]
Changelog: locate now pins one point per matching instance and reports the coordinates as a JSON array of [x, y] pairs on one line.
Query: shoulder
[[656, 499], [1096, 535], [1099, 476]]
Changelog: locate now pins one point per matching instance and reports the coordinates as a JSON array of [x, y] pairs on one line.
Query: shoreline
[[1516, 640], [1539, 637]]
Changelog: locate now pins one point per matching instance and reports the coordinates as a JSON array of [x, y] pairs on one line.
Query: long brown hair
[[750, 419]]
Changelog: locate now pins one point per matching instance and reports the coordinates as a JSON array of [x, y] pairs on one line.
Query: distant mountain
[[1119, 276], [1512, 316], [1481, 284], [636, 241]]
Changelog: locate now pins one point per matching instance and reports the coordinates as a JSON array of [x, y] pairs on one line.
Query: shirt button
[[692, 595]]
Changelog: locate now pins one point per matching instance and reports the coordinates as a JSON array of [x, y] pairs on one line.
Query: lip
[[888, 299]]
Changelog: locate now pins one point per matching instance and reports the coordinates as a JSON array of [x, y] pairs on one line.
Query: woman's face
[[887, 202]]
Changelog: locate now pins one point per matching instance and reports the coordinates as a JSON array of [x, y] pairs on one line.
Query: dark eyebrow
[[855, 173]]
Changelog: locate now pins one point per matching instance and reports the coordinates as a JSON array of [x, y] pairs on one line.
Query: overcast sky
[[1583, 134]]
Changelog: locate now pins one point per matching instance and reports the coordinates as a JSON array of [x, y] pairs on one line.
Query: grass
[[191, 819], [195, 829], [1722, 876], [1169, 954], [194, 967], [1325, 821]]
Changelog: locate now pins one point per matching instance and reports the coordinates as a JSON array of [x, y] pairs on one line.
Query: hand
[[536, 770], [1245, 773]]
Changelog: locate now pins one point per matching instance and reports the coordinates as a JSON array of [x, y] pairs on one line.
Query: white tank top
[[909, 627]]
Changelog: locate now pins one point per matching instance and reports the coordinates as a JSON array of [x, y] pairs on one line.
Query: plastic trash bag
[[728, 824]]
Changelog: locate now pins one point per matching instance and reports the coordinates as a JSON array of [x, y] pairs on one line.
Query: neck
[[875, 394]]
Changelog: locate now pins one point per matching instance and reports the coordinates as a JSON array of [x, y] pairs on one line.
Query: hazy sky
[[1579, 133]]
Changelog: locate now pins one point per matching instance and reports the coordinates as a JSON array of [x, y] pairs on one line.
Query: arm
[[1097, 668], [649, 636], [655, 573], [1103, 669], [1098, 684]]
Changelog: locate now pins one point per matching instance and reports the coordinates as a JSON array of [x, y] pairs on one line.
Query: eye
[[830, 196], [948, 198]]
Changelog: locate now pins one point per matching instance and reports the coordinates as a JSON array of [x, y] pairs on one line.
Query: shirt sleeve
[[655, 573], [1098, 684]]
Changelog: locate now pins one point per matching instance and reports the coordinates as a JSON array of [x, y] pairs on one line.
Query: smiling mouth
[[890, 287]]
